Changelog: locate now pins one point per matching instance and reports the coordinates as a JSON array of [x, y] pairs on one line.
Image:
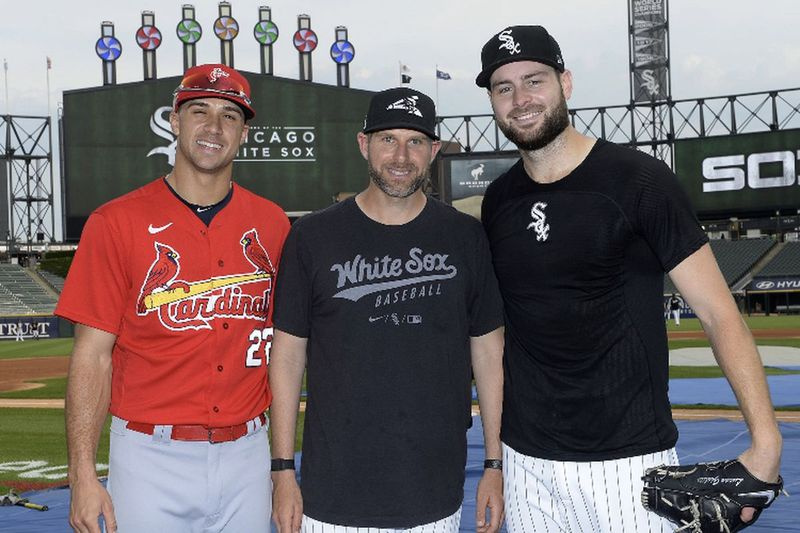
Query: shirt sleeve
[[97, 286], [665, 217], [486, 305], [293, 287]]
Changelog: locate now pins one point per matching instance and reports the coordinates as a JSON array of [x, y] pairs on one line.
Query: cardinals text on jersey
[[183, 304]]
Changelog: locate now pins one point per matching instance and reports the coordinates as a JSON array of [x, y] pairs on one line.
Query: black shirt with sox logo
[[580, 263], [388, 312]]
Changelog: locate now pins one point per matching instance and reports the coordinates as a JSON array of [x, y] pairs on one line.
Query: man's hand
[[490, 497], [88, 501], [764, 465], [287, 503]]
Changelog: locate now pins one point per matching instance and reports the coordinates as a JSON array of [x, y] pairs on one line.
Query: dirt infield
[[20, 374]]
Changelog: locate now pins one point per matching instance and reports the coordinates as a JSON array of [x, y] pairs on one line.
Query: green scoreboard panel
[[740, 174], [301, 149]]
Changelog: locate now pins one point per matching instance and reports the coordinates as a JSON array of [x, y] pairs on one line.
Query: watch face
[[226, 28], [342, 52], [148, 38], [108, 48], [305, 40], [189, 31], [266, 32]]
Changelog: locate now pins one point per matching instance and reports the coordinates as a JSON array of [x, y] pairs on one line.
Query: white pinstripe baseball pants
[[543, 496], [448, 524]]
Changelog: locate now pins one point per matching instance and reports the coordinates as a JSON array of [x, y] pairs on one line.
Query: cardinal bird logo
[[255, 253], [161, 274]]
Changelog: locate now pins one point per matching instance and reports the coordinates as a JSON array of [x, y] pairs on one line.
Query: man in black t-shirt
[[581, 233], [390, 300]]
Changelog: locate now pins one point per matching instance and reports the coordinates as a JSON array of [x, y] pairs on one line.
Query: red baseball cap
[[214, 81]]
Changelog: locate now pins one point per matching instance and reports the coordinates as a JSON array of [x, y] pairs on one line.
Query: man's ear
[[174, 123], [363, 144], [566, 83]]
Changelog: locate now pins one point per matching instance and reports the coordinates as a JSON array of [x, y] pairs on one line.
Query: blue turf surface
[[785, 391], [699, 441]]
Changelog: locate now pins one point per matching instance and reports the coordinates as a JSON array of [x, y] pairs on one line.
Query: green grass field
[[54, 389], [28, 435], [753, 322], [32, 444], [40, 348]]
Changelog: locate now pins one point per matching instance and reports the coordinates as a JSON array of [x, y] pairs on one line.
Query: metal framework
[[639, 125], [26, 151]]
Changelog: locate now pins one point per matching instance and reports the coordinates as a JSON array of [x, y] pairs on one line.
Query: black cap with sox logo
[[401, 108], [518, 43]]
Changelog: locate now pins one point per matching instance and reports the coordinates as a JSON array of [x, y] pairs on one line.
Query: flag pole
[[437, 88], [5, 76], [49, 111]]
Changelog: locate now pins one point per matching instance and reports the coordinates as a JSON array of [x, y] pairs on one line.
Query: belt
[[197, 432]]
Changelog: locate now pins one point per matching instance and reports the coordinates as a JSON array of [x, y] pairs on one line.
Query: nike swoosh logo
[[376, 318], [152, 230], [202, 209]]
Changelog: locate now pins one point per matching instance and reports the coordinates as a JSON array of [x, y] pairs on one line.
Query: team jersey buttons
[[225, 325], [219, 368], [216, 409], [221, 263]]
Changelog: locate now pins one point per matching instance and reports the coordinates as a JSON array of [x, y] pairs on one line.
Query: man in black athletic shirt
[[391, 299], [581, 232]]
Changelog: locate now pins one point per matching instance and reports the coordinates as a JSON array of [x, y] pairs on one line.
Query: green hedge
[[58, 264]]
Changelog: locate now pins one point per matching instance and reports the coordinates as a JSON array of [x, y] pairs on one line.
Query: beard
[[418, 179], [553, 124]]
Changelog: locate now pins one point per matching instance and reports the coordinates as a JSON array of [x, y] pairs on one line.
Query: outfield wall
[[33, 327]]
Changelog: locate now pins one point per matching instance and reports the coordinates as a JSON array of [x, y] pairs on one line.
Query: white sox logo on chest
[[539, 224], [394, 279]]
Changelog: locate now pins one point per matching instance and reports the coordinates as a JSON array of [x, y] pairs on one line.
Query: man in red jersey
[[171, 292]]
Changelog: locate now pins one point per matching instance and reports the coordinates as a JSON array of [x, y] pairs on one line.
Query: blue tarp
[[785, 391]]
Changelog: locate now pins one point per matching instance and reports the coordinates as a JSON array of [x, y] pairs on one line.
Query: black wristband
[[493, 463], [282, 464]]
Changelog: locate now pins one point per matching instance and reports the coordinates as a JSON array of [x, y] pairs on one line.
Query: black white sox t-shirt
[[388, 312]]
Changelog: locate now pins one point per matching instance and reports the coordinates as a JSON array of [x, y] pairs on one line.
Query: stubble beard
[[553, 124], [394, 191]]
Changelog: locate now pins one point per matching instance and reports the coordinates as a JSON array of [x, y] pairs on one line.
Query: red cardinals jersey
[[191, 305]]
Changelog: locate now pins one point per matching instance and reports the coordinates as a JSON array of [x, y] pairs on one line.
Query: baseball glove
[[707, 497]]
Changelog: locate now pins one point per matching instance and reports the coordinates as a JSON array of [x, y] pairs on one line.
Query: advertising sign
[[22, 328], [464, 177], [649, 50], [740, 174], [300, 151]]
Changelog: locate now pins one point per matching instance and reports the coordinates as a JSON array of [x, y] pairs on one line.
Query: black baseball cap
[[401, 108], [518, 43]]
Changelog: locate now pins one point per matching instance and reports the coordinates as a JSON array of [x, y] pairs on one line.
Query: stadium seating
[[56, 282], [735, 258], [21, 295], [785, 263]]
